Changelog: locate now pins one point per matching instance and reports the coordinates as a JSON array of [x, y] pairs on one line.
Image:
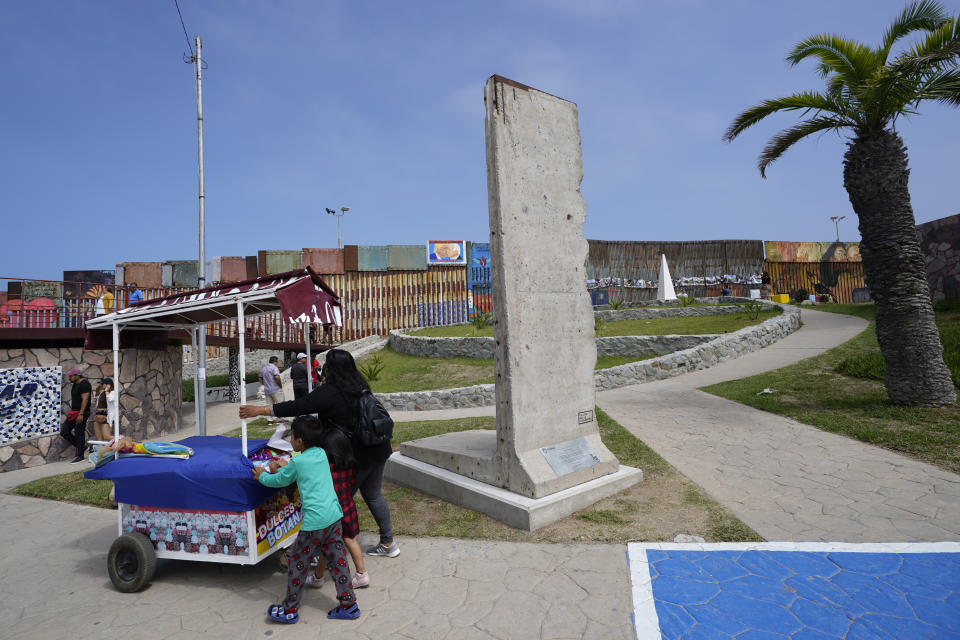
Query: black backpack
[[375, 425]]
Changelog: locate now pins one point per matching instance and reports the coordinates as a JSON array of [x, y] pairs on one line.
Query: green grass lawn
[[402, 372], [665, 499], [697, 325], [818, 391]]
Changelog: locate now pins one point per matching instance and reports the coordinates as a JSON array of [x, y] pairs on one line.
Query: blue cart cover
[[216, 477]]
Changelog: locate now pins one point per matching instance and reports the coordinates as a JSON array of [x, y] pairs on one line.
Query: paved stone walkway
[[787, 480], [54, 584]]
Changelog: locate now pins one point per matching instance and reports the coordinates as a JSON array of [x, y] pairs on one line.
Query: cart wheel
[[131, 562], [283, 560]]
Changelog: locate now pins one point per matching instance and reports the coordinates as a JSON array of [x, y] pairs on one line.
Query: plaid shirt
[[343, 483]]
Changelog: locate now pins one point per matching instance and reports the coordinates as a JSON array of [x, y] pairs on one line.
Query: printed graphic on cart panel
[[197, 531], [278, 519]]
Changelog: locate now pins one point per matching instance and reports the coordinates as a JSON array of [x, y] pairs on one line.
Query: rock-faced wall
[[940, 242], [149, 399]]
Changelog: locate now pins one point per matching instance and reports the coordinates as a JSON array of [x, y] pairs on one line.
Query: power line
[[189, 46]]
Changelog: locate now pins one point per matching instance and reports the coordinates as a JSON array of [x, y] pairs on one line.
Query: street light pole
[[333, 212], [836, 224]]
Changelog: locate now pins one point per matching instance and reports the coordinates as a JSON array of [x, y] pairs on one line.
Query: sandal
[[277, 613], [340, 613]]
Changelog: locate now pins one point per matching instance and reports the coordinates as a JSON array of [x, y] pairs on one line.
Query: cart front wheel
[[131, 562]]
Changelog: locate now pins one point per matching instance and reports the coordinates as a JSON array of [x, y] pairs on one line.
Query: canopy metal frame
[[224, 305]]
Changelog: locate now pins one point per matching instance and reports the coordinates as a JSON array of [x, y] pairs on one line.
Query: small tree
[[866, 92]]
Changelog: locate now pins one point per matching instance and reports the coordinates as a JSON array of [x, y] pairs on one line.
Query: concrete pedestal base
[[513, 509]]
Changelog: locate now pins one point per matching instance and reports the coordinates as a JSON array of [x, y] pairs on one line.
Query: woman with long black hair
[[337, 403]]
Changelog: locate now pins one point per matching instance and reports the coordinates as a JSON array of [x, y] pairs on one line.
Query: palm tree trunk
[[875, 175]]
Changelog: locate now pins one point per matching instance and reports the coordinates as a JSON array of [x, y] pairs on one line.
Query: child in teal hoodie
[[320, 530]]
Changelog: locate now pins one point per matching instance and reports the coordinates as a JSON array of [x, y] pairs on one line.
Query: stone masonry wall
[[707, 354], [149, 398], [940, 242], [481, 347], [664, 312]]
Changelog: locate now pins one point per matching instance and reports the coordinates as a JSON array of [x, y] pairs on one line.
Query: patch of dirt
[[655, 510]]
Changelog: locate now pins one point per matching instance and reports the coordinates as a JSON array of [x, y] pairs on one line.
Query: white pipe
[[306, 330], [116, 379], [241, 335], [196, 386]]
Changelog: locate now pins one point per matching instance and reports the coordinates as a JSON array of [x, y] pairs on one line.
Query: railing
[[371, 303]]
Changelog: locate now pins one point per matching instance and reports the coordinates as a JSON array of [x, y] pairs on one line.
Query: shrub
[[868, 365], [617, 303], [222, 380], [372, 368], [598, 326], [481, 319], [799, 295], [948, 304]]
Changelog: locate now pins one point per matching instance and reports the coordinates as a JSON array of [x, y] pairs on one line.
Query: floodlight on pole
[[836, 224], [339, 215]]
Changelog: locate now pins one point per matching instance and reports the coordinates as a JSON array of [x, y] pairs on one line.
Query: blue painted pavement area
[[796, 591]]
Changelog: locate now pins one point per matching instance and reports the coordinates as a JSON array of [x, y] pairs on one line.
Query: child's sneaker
[[383, 550], [313, 581], [344, 613], [360, 581]]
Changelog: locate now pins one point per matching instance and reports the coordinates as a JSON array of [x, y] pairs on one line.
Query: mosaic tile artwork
[[817, 594], [29, 402]]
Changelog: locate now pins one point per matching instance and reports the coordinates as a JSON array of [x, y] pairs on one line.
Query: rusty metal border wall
[[641, 260]]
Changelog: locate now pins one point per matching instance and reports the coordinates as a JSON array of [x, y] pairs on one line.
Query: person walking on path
[[337, 402], [270, 380], [298, 375], [74, 429], [105, 411], [321, 527]]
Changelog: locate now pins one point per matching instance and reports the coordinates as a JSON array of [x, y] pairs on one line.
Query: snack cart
[[202, 502]]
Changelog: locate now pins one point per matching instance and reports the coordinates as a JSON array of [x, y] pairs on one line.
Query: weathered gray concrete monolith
[[547, 440]]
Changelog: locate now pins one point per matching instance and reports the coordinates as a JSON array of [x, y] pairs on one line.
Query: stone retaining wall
[[719, 349], [424, 347], [149, 396], [648, 345], [402, 341], [664, 312]]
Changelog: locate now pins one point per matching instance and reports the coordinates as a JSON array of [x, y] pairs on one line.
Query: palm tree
[[865, 94]]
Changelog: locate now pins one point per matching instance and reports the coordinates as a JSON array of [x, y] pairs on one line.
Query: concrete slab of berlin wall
[[544, 330], [545, 460]]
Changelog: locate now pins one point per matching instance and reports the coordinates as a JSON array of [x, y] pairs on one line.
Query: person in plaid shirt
[[339, 452]]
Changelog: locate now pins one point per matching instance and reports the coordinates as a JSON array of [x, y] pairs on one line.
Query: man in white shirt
[[270, 379]]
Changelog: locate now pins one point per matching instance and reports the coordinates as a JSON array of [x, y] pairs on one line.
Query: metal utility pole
[[836, 224], [332, 212], [200, 384]]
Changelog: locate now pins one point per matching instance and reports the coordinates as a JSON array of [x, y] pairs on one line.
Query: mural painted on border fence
[[785, 251], [447, 252], [29, 402]]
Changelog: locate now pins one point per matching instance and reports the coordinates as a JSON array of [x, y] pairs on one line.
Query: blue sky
[[379, 106]]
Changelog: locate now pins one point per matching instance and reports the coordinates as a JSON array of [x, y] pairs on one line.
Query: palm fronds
[[779, 143], [926, 15], [806, 101], [864, 91]]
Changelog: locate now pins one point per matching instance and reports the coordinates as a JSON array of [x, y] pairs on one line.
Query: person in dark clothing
[[337, 402], [298, 376], [74, 429]]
